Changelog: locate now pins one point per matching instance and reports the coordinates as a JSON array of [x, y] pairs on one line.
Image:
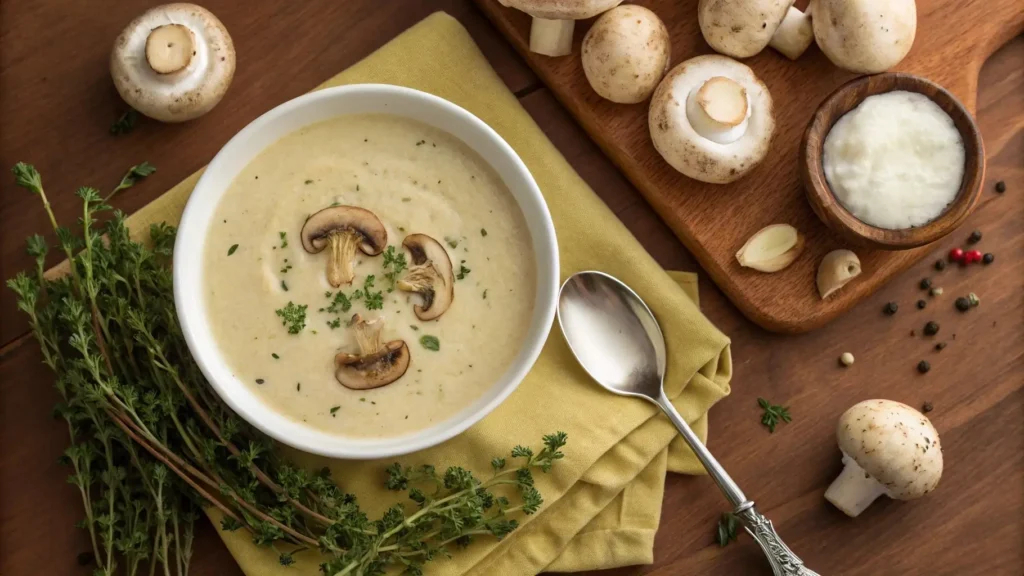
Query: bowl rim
[[831, 211], [194, 225]]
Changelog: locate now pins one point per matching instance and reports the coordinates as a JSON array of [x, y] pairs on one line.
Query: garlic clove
[[837, 268], [771, 248]]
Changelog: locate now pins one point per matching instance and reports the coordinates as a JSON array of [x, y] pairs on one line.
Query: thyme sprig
[[151, 444]]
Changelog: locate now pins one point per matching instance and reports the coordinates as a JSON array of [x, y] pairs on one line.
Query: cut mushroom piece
[[771, 248], [743, 28], [888, 449], [837, 268], [865, 36], [344, 229], [712, 119], [555, 20], [430, 276], [377, 364], [625, 54], [173, 63]]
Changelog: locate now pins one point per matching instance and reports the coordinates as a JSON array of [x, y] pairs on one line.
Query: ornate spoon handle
[[784, 562]]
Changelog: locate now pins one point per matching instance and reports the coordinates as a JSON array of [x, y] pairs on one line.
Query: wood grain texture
[[970, 525], [839, 219], [713, 221]]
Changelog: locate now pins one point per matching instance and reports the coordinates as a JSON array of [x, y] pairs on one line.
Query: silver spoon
[[617, 340]]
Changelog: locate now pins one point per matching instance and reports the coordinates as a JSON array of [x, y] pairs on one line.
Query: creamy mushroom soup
[[440, 265]]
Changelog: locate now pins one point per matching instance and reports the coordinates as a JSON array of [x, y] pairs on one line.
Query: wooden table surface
[[57, 101]]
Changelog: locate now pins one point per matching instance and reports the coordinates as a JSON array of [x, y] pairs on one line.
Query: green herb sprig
[[773, 414], [394, 264], [151, 443]]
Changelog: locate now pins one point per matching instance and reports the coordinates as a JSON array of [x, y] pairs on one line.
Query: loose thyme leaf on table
[[773, 414], [150, 442], [726, 529]]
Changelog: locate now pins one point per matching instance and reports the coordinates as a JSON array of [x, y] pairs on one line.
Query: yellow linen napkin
[[603, 502]]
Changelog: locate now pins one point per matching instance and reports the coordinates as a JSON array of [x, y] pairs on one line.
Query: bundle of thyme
[[151, 444]]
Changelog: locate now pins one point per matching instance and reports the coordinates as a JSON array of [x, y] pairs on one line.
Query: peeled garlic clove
[[771, 248], [836, 269]]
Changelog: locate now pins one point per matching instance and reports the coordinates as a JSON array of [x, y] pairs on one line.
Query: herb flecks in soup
[[363, 307]]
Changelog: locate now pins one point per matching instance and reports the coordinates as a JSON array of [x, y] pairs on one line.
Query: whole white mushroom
[[712, 119], [865, 36], [174, 62], [743, 28], [888, 449], [554, 21], [625, 54]]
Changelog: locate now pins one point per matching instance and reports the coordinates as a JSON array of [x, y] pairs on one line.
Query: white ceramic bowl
[[189, 294]]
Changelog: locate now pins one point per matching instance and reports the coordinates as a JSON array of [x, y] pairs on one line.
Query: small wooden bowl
[[835, 216]]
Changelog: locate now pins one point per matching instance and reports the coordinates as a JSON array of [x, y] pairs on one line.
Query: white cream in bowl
[[895, 161]]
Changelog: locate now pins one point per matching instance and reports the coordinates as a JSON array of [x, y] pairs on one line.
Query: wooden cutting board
[[954, 38]]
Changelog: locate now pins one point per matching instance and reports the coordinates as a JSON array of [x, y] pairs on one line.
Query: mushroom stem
[[343, 245], [854, 490], [169, 48], [718, 110], [368, 334], [794, 35], [551, 37]]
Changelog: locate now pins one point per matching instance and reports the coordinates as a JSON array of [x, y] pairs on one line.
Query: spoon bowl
[[618, 341], [605, 314]]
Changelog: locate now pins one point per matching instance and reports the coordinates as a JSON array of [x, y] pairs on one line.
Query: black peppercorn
[[921, 304], [988, 258], [940, 345], [975, 237], [891, 308], [926, 284], [1000, 186], [927, 407], [931, 329], [923, 366], [940, 265], [963, 304], [259, 380]]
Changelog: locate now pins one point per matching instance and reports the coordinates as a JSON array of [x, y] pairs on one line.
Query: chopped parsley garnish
[[453, 242], [339, 304], [232, 249], [275, 356], [421, 142], [309, 181], [298, 386], [260, 380], [284, 286], [284, 239], [374, 300], [334, 411], [463, 271], [414, 327], [773, 414], [293, 316], [483, 232], [394, 264], [336, 323], [485, 294], [406, 199], [430, 342]]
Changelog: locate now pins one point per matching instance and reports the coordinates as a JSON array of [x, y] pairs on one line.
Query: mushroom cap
[[319, 226], [365, 372], [439, 298], [740, 28], [562, 9], [187, 93], [692, 154], [866, 36], [625, 53], [895, 444]]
